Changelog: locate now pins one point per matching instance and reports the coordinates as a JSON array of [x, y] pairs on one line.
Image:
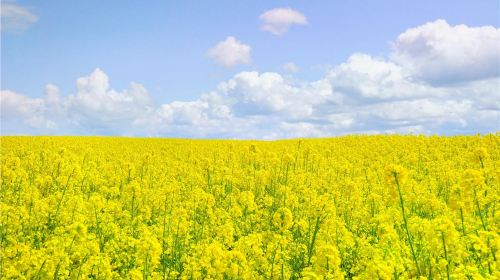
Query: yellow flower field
[[354, 207]]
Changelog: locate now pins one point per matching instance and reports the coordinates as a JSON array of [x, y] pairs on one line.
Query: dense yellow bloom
[[282, 218], [481, 154], [473, 178], [396, 173], [354, 207]]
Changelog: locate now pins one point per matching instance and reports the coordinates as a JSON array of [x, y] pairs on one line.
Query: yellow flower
[[288, 158], [252, 148], [80, 231], [472, 178], [481, 154], [396, 174], [282, 218], [125, 208]]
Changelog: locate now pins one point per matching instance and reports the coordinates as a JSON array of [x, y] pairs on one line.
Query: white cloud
[[230, 52], [440, 54], [421, 110], [95, 98], [251, 93], [15, 18], [52, 94], [291, 67], [365, 94], [93, 109], [253, 105], [278, 20], [367, 77], [250, 105], [19, 108]]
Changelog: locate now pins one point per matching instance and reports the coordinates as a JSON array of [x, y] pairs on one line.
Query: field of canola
[[354, 207]]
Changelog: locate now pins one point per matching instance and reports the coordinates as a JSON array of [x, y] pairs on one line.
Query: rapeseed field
[[353, 207]]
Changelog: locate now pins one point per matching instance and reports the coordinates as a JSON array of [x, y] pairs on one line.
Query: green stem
[[479, 210], [311, 247], [410, 240], [163, 239], [462, 217], [446, 257]]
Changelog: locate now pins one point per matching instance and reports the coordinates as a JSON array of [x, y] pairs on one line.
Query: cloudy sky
[[249, 69]]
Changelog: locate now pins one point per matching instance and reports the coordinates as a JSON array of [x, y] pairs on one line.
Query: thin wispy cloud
[[291, 67], [16, 18]]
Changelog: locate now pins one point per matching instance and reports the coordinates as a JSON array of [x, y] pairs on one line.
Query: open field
[[365, 207]]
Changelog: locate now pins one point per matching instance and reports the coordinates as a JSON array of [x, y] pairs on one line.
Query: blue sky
[[188, 91]]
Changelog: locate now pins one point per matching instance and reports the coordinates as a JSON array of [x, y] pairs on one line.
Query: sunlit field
[[355, 207]]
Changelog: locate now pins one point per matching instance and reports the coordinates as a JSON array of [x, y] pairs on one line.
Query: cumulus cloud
[[21, 110], [93, 109], [363, 76], [278, 20], [96, 104], [365, 94], [251, 93], [15, 18], [439, 53], [230, 52]]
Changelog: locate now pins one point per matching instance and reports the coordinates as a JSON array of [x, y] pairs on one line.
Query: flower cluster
[[354, 207]]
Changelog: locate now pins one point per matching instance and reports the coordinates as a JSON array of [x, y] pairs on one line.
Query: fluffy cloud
[[253, 105], [365, 94], [441, 54], [95, 103], [230, 52], [278, 20], [363, 76], [18, 110], [250, 105], [15, 18], [93, 109], [251, 93]]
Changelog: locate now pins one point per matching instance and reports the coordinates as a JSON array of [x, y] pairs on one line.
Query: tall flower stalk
[[398, 173]]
